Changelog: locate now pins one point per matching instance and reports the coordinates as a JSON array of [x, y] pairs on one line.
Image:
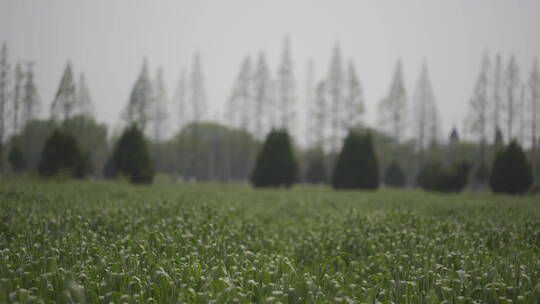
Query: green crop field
[[99, 242]]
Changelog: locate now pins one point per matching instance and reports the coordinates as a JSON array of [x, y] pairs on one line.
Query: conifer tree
[[357, 166], [61, 154], [131, 157], [511, 172], [275, 165], [16, 160], [394, 176], [316, 171]]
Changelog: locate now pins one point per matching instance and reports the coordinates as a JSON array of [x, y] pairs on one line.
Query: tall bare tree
[[320, 116], [159, 107], [85, 105], [262, 82], [198, 103], [335, 87], [197, 96], [180, 99], [286, 84], [180, 102], [239, 106], [17, 97], [393, 107], [511, 101], [30, 99], [534, 110], [496, 92], [137, 111], [238, 114], [309, 103], [521, 113], [64, 104], [353, 99], [4, 97], [479, 108], [426, 113]]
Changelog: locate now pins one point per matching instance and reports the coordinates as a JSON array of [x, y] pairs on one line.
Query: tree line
[[504, 107]]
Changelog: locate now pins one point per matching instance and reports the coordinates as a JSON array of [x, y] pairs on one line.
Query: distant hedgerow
[[435, 177]]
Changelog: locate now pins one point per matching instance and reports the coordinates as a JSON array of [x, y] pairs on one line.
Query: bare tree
[[64, 104], [137, 111], [335, 84], [320, 116], [261, 86], [511, 103], [197, 101], [534, 110], [159, 107], [30, 99], [4, 72], [239, 114], [354, 99], [479, 108], [309, 99], [286, 84], [197, 93], [496, 94], [521, 111], [85, 105], [240, 102], [180, 100], [425, 112], [17, 97], [393, 107]]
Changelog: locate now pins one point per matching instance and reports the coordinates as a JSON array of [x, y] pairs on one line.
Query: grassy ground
[[113, 242]]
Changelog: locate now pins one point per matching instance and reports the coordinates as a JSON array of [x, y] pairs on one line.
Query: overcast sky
[[108, 40]]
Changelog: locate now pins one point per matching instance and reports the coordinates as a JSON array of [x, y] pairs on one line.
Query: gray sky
[[108, 39]]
